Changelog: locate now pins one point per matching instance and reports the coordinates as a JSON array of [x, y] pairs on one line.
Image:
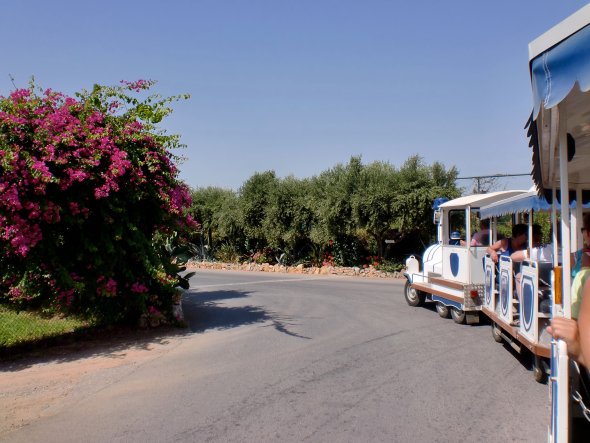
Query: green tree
[[254, 203], [288, 217], [332, 193], [373, 211], [208, 206], [419, 185]]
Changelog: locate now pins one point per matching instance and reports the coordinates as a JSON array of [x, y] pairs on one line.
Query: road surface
[[298, 358]]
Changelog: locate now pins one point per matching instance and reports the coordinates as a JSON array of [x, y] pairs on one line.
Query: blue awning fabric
[[527, 202], [555, 72]]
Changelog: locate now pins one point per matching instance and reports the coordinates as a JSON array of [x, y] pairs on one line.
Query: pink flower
[[41, 168], [153, 311], [139, 288], [107, 289], [74, 208], [137, 85]]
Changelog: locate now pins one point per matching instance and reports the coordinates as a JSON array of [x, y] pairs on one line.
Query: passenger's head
[[519, 234]]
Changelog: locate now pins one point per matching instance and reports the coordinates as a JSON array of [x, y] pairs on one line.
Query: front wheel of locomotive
[[413, 297]]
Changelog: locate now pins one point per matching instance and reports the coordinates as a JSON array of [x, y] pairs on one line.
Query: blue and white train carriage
[[559, 133], [451, 273], [521, 322]]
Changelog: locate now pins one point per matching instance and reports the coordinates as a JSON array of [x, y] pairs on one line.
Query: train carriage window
[[456, 232]]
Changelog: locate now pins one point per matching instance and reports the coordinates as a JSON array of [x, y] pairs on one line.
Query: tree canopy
[[343, 215]]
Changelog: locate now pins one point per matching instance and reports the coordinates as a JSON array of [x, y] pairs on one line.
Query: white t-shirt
[[544, 253]]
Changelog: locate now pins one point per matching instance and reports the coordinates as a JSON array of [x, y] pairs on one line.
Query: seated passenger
[[576, 331], [578, 286], [567, 329], [507, 246], [536, 253], [577, 257], [481, 237], [456, 239], [584, 327], [583, 272]]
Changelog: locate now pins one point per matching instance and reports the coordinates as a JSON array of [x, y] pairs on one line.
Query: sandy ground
[[36, 386]]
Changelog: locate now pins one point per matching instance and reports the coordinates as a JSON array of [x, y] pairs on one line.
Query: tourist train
[[466, 279]]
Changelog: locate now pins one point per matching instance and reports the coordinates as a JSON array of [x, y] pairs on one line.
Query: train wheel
[[413, 297], [496, 333], [442, 310], [539, 369], [458, 315]]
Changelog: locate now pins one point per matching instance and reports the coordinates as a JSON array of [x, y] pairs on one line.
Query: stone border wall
[[369, 272]]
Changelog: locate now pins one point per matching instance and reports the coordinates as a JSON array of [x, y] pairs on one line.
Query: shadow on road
[[202, 311]]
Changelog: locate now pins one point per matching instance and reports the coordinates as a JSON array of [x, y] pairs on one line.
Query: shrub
[[390, 266], [227, 254], [263, 256], [88, 195]]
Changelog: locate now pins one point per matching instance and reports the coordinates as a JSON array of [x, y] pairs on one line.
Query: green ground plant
[[17, 328]]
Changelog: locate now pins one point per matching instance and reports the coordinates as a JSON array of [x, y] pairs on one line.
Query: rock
[[367, 270]]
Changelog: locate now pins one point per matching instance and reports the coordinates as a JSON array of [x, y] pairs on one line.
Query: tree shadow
[[281, 326], [202, 311]]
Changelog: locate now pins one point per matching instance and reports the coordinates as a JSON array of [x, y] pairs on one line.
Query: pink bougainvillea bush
[[89, 198]]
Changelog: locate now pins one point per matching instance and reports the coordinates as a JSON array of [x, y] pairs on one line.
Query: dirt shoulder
[[40, 383]]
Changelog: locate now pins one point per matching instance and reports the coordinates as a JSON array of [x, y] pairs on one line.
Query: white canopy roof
[[479, 200]]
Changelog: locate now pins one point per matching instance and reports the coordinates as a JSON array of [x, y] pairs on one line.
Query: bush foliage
[[342, 216], [89, 196]]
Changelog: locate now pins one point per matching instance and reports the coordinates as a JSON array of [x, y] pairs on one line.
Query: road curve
[[295, 358]]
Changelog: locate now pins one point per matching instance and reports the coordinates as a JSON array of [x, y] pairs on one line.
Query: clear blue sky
[[298, 86]]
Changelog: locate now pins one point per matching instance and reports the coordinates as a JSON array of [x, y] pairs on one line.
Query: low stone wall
[[369, 272]]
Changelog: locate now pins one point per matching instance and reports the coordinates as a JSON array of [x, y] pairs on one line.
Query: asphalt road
[[290, 358]]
